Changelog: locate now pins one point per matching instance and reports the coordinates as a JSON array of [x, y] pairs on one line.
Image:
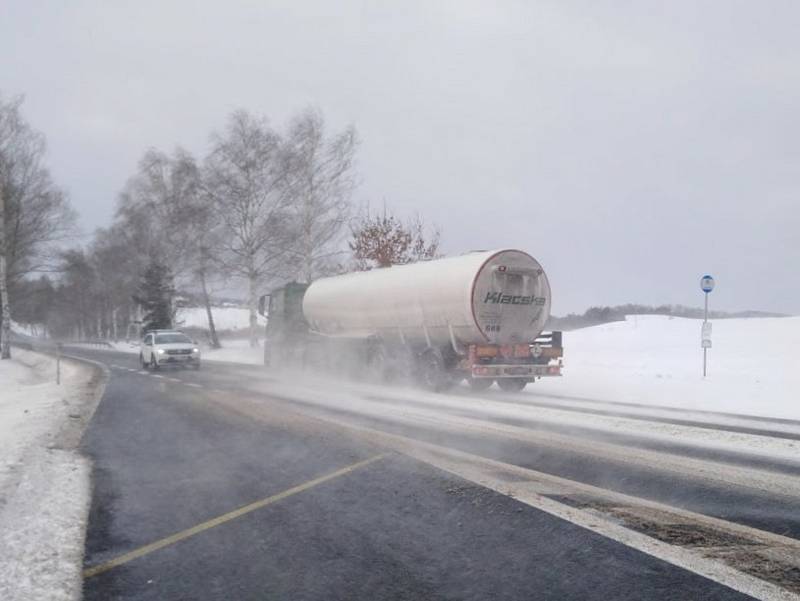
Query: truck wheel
[[511, 384], [432, 372], [377, 365], [480, 384]]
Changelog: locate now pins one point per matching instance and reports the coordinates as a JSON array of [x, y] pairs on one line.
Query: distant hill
[[598, 315]]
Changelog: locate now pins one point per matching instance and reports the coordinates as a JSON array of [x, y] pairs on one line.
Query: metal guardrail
[[98, 343]]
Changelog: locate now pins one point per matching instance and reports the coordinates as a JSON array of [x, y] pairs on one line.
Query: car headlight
[[195, 350], [160, 351]]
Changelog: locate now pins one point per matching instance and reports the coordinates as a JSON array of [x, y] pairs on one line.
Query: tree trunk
[[253, 306], [5, 323], [308, 251], [212, 330]]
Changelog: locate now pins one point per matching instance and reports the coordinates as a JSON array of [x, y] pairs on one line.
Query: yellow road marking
[[184, 534]]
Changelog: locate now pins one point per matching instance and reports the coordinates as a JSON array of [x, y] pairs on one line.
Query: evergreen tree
[[155, 296]]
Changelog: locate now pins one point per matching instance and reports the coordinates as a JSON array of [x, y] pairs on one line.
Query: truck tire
[[511, 384], [432, 372], [480, 384], [377, 365]]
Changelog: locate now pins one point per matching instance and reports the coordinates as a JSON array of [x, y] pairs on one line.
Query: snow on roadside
[[500, 414], [236, 351], [121, 346], [44, 484], [225, 318], [657, 360], [27, 329]]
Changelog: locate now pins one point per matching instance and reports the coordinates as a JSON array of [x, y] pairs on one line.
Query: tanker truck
[[478, 316]]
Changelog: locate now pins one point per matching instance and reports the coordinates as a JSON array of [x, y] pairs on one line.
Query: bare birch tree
[[320, 180], [35, 213], [245, 177], [5, 331], [155, 202], [167, 195]]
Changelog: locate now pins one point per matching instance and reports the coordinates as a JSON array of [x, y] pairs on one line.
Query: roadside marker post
[[706, 285]]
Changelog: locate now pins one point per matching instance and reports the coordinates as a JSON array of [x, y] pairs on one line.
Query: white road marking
[[698, 468], [142, 371], [174, 379], [157, 376], [534, 488], [533, 492], [193, 385]]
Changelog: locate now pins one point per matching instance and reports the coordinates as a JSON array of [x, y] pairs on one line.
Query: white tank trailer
[[477, 316]]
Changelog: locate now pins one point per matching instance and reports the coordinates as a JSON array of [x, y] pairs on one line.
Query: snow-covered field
[[225, 318], [753, 367], [44, 484]]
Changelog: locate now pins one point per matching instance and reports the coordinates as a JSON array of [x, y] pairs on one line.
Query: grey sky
[[630, 146]]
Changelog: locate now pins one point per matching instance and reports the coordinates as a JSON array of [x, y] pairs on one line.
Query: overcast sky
[[629, 146]]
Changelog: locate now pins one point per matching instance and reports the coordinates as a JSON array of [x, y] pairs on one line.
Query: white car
[[167, 347]]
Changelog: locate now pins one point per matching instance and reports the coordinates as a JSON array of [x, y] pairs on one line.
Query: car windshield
[[172, 338]]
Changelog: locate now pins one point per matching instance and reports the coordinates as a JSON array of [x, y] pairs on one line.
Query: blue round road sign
[[707, 283]]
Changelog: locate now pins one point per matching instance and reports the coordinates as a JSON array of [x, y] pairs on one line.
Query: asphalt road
[[173, 457]]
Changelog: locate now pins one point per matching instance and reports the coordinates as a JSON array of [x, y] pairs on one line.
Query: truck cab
[[286, 326]]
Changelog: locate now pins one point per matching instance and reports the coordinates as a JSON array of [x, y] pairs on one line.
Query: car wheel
[[142, 361], [432, 372], [153, 363]]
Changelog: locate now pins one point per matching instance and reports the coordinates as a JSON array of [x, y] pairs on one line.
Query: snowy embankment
[[234, 350], [753, 367], [44, 481], [225, 318]]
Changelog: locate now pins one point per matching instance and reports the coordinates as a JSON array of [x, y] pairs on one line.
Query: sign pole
[[705, 348], [706, 285]]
